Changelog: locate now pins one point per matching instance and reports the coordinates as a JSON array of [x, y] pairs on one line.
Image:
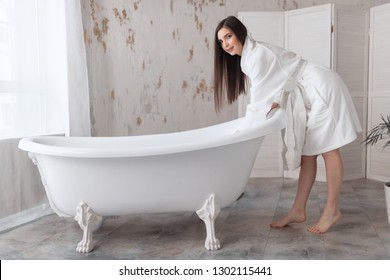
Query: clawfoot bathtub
[[199, 170]]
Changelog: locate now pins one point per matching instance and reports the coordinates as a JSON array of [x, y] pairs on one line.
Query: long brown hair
[[228, 76]]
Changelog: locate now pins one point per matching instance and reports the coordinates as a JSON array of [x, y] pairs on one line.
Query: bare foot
[[325, 222], [291, 217]]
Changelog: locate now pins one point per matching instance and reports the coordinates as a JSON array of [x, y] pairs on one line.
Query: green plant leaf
[[380, 131]]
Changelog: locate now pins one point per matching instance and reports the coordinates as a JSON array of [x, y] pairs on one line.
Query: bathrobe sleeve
[[259, 72], [273, 72], [262, 94]]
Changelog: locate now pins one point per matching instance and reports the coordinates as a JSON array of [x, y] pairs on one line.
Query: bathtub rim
[[276, 122]]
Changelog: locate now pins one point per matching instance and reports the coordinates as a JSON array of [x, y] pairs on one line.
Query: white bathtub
[[199, 170]]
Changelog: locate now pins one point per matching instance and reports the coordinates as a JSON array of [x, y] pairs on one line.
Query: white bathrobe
[[324, 117]]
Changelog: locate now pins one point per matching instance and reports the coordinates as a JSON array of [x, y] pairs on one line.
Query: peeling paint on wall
[[122, 17], [171, 6], [199, 25], [87, 38], [99, 32], [175, 35], [136, 4], [139, 121], [285, 4], [207, 43], [100, 29], [191, 52], [199, 6], [158, 84], [184, 85], [202, 90], [130, 41]]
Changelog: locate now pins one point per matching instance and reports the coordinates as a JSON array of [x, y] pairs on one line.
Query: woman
[[324, 118]]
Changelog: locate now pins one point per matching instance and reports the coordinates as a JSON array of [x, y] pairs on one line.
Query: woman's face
[[229, 41]]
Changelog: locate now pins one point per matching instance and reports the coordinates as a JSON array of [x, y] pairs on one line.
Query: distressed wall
[[150, 65], [150, 62]]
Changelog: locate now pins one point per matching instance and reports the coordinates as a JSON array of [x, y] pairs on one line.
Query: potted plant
[[380, 132]]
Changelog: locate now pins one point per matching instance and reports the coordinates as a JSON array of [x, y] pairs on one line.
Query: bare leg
[[334, 176], [306, 179]]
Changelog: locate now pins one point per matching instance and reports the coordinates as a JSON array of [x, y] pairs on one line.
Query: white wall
[[20, 185]]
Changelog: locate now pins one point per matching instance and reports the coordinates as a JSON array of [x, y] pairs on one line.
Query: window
[[33, 70]]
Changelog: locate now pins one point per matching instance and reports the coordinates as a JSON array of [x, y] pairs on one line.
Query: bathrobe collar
[[249, 44]]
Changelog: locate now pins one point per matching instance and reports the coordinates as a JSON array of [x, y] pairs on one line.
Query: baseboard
[[25, 216]]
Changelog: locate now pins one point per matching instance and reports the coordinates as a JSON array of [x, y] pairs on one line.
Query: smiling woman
[[229, 41], [233, 41], [323, 115]]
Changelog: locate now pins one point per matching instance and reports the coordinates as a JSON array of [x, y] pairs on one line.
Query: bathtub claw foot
[[208, 213], [88, 221]]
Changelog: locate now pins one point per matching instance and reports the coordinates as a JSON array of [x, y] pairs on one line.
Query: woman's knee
[[332, 154], [309, 158]]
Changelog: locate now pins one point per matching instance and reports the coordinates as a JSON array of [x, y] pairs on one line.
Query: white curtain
[[78, 92], [43, 71]]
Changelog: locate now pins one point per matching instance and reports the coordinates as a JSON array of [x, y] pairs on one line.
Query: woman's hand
[[274, 106]]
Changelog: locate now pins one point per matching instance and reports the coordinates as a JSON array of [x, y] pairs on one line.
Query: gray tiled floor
[[363, 232]]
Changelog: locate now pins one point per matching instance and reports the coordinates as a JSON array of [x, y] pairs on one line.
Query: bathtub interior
[[208, 137]]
